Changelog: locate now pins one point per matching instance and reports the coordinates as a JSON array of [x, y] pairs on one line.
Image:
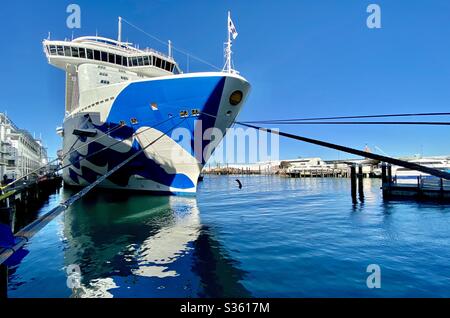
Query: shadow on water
[[135, 245]]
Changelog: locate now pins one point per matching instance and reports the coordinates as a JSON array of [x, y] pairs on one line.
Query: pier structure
[[421, 188], [18, 207]]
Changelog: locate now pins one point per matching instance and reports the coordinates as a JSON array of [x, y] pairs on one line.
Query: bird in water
[[239, 183]]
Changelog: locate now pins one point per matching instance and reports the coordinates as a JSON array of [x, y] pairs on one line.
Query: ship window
[[52, 50], [104, 56], [146, 60], [124, 78], [140, 61], [172, 66], [111, 58], [134, 61], [90, 54], [118, 59], [67, 51], [75, 52], [168, 66], [97, 55], [124, 61], [158, 62], [82, 52], [60, 50]]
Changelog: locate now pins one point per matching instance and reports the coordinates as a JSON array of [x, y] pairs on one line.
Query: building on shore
[[300, 167], [20, 152]]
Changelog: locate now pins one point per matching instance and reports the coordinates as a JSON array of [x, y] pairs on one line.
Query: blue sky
[[303, 59]]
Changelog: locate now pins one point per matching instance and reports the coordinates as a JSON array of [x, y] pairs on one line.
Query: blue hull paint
[[171, 97]]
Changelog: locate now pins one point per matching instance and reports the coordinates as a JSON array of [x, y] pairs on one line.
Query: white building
[[20, 152]]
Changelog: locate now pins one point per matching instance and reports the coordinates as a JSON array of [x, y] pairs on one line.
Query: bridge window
[[134, 61], [75, 52], [90, 54], [60, 50], [140, 61], [118, 60], [158, 62], [124, 61], [67, 51], [82, 52], [111, 58], [52, 50], [104, 56], [146, 60], [168, 66]]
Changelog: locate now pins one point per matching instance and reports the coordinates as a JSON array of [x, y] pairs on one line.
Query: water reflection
[[146, 246]]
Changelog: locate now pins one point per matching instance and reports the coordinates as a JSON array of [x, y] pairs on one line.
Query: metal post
[[361, 183], [389, 170], [353, 182]]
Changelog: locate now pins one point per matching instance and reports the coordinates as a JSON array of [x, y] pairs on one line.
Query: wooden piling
[[389, 174], [353, 182], [361, 183]]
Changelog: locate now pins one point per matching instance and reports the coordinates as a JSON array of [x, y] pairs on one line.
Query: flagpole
[[229, 44]]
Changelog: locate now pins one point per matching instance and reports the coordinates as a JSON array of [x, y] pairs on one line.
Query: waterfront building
[[20, 152]]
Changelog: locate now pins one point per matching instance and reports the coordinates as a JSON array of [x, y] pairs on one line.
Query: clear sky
[[303, 59]]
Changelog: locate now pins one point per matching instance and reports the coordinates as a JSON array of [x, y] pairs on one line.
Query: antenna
[[170, 49], [119, 38]]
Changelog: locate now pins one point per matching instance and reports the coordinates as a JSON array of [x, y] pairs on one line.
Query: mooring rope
[[107, 133], [30, 230], [112, 145], [365, 154], [348, 117], [429, 123], [71, 150], [188, 54]]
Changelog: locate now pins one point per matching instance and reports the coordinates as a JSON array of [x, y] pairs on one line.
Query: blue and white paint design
[[156, 169]]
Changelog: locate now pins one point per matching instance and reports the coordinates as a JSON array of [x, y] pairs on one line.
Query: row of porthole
[[97, 103], [183, 114]]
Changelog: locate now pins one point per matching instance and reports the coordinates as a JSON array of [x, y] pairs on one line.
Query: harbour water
[[275, 237]]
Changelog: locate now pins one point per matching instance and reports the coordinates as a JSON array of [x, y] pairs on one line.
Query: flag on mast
[[232, 28]]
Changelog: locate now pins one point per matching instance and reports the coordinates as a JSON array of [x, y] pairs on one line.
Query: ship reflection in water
[[142, 246], [275, 237]]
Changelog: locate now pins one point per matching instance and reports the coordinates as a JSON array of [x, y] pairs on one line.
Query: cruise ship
[[121, 100]]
